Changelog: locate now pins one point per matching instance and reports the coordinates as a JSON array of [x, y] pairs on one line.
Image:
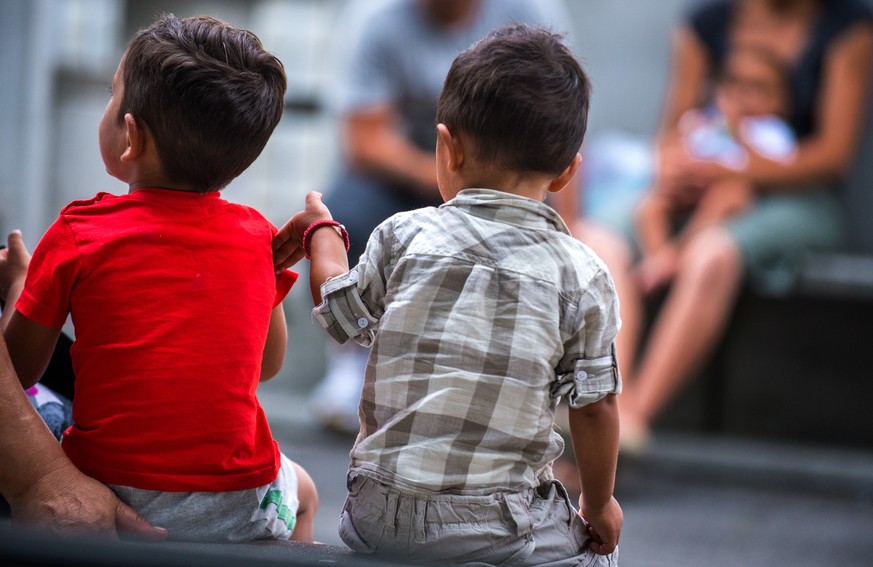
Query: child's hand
[[656, 271], [14, 261], [288, 242], [604, 526], [287, 247], [315, 211]]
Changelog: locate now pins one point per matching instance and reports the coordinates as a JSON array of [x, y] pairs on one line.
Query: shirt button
[[362, 323], [581, 375]]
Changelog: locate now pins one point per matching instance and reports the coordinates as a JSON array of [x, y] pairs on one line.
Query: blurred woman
[[828, 45]]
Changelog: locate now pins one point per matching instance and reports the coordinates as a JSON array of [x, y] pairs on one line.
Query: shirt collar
[[505, 207]]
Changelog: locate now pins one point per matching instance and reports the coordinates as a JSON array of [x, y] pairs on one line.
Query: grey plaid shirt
[[481, 315]]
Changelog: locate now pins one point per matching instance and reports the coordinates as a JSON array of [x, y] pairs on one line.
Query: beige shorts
[[536, 527]]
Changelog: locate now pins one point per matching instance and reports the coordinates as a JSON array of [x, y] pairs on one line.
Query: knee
[[711, 260], [307, 494], [609, 245]]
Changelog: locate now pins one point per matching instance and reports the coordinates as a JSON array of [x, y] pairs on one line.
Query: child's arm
[[275, 347], [327, 251], [594, 431], [30, 347], [342, 311]]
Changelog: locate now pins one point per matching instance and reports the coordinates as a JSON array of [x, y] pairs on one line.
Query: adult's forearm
[[815, 165], [394, 156], [374, 142], [12, 295], [27, 447]]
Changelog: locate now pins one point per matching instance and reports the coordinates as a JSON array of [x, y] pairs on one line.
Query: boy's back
[[481, 314], [485, 300], [171, 294]]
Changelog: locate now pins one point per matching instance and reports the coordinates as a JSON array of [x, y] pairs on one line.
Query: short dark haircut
[[209, 94], [520, 97]]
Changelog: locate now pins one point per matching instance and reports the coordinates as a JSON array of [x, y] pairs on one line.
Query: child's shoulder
[[582, 262], [85, 203], [412, 219]]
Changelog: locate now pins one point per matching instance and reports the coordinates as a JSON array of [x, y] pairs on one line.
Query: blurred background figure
[[750, 107], [828, 46], [392, 58]]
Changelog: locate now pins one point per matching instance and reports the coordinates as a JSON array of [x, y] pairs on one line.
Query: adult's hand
[[64, 501]]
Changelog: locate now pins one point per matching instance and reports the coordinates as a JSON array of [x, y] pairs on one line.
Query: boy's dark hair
[[520, 97], [208, 93]]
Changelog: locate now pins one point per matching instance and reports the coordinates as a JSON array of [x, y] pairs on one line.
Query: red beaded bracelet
[[307, 234]]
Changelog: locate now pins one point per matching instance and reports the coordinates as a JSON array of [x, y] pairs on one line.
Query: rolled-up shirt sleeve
[[342, 313], [588, 371], [590, 381], [353, 303]]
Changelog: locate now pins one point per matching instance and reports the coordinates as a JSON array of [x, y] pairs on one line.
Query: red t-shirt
[[170, 294]]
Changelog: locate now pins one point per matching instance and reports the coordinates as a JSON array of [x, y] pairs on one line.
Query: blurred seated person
[[750, 109], [392, 59], [828, 46]]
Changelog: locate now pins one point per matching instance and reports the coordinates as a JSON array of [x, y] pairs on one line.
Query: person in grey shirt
[[390, 60]]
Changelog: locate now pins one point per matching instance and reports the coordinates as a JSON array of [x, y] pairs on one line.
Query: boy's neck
[[160, 184], [533, 185]]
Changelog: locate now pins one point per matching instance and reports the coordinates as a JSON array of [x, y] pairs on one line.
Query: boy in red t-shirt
[[173, 295]]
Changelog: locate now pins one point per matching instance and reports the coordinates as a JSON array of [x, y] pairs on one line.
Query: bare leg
[[691, 321], [617, 255], [307, 495], [615, 252], [723, 199]]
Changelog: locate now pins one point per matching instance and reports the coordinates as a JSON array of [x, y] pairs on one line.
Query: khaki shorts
[[536, 527]]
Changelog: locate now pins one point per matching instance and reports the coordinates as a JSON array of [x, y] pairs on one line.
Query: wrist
[[593, 507], [310, 230], [46, 475]]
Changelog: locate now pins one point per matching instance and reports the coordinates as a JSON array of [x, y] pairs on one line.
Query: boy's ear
[[136, 138], [454, 147], [566, 176]]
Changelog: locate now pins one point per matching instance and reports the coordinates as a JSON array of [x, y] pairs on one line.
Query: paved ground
[[694, 501]]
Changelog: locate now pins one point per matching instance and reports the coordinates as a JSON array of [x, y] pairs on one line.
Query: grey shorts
[[536, 527], [777, 233], [265, 512], [774, 236]]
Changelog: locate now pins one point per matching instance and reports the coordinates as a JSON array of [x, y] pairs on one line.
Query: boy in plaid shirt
[[481, 314]]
